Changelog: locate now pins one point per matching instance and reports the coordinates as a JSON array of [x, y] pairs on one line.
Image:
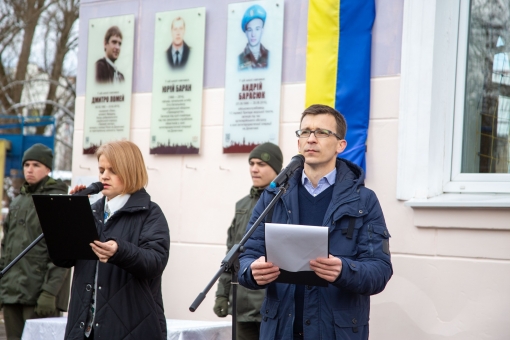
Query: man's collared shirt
[[324, 183], [177, 57], [116, 77]]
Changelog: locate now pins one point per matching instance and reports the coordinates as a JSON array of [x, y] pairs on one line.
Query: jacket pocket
[[269, 311], [343, 237], [351, 323], [382, 234]]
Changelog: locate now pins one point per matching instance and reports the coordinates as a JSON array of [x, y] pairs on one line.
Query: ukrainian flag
[[338, 65]]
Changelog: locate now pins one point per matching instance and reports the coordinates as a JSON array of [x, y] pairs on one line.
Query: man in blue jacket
[[328, 192]]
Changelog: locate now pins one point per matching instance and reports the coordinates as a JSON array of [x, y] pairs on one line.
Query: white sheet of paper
[[291, 246]]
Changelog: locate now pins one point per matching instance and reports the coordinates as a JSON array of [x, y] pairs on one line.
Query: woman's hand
[[104, 250], [77, 188]]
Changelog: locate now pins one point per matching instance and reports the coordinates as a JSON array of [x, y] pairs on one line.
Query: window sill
[[461, 201]]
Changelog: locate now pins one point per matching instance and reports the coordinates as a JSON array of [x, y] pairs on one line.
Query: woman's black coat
[[129, 302]]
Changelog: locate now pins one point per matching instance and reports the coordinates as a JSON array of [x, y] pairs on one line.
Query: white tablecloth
[[54, 329]]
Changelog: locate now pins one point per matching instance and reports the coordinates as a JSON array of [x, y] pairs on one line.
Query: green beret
[[269, 153], [39, 152]]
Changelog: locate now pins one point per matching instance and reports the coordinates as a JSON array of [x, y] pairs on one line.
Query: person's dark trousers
[[248, 330], [15, 316]]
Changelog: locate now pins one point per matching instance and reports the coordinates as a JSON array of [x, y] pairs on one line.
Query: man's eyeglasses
[[319, 133]]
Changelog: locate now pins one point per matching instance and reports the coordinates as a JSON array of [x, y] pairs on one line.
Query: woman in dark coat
[[119, 296]]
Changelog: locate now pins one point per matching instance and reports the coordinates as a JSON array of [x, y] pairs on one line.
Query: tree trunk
[[30, 19], [69, 16]]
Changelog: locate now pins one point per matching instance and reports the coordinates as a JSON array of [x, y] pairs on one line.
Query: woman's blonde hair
[[127, 162]]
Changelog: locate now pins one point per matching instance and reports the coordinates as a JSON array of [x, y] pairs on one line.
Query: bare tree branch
[[64, 143], [47, 102], [44, 88], [69, 15]]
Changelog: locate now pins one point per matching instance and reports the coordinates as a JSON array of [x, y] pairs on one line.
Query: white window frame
[[468, 182], [430, 72]]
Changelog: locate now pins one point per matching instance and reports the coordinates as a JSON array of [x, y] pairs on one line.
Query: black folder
[[68, 226], [304, 278]]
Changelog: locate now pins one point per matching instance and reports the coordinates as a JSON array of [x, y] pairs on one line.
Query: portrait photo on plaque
[[177, 81], [254, 54], [253, 75], [109, 80]]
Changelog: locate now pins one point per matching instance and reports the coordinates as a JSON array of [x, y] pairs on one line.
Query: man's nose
[[312, 138]]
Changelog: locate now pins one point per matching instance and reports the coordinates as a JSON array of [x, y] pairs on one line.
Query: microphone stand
[[27, 249], [231, 263]]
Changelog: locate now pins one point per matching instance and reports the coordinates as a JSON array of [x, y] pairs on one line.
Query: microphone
[[298, 161], [92, 189]]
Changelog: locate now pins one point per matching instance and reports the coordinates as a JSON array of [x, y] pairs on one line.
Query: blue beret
[[254, 12]]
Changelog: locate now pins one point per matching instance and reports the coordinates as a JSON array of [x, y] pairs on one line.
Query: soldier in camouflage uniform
[[265, 162], [34, 287], [255, 55]]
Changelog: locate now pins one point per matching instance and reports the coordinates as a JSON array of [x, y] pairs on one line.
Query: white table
[[54, 329]]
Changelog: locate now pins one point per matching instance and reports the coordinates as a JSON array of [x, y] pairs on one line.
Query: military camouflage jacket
[[35, 272], [247, 60], [248, 301]]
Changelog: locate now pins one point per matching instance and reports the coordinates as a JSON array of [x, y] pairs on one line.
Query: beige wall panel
[[382, 158], [381, 178], [83, 165], [141, 106], [208, 193], [288, 141], [293, 103], [430, 298], [213, 104], [189, 270], [163, 191], [384, 98], [463, 218], [492, 244], [79, 112]]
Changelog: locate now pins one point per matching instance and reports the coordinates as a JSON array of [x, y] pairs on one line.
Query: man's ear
[[341, 145]]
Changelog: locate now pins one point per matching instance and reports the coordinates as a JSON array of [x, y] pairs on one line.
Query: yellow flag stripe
[[322, 51]]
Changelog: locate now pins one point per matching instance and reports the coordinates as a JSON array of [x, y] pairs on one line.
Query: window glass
[[486, 132]]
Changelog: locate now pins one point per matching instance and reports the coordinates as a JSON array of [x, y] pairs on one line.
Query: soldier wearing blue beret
[[255, 55]]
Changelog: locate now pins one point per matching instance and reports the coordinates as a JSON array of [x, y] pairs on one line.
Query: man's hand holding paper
[[264, 272], [301, 252], [327, 268]]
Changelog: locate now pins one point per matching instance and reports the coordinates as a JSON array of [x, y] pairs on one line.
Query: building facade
[[437, 157]]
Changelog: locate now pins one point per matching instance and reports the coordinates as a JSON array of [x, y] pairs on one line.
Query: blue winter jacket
[[341, 310]]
